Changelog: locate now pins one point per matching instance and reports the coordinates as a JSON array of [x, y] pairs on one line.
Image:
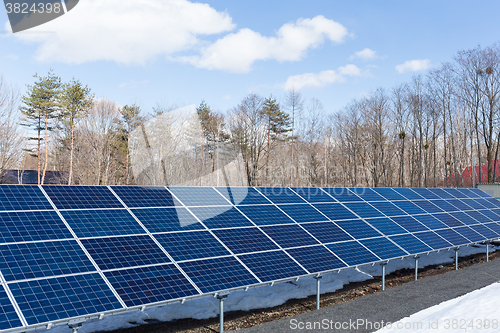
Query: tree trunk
[[46, 148], [71, 154]]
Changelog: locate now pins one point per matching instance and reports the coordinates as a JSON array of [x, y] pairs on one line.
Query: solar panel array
[[70, 251]]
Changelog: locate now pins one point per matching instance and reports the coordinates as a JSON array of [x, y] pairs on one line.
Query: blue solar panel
[[366, 194], [459, 204], [363, 209], [41, 259], [444, 205], [81, 197], [198, 196], [167, 219], [494, 202], [143, 285], [428, 206], [478, 216], [464, 218], [335, 211], [31, 226], [447, 219], [316, 258], [96, 223], [469, 193], [221, 217], [342, 194], [488, 213], [386, 226], [280, 195], [455, 192], [243, 196], [433, 240], [430, 222], [485, 203], [313, 194], [410, 243], [218, 274], [303, 213], [485, 231], [272, 265], [426, 193], [496, 211], [8, 315], [470, 234], [191, 245], [409, 223], [352, 253], [409, 207], [473, 203], [119, 252], [52, 299], [388, 193], [493, 226], [265, 215], [387, 208], [383, 248], [289, 235], [26, 197], [452, 236], [244, 240], [480, 193], [408, 193], [442, 193], [145, 196], [326, 232], [358, 229]]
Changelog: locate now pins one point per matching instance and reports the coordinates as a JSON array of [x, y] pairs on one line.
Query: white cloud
[[413, 66], [237, 52], [12, 56], [322, 78], [366, 54], [126, 31]]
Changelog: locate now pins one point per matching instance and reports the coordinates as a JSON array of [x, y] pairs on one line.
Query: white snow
[[269, 296]]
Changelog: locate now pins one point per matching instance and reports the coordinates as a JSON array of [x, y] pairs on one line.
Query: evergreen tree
[[76, 101], [41, 104]]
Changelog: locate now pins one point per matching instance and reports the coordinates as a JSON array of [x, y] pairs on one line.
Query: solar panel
[[72, 251]]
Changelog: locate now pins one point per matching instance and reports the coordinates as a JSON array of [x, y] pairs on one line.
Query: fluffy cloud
[[322, 78], [366, 54], [125, 31], [237, 52], [413, 66]]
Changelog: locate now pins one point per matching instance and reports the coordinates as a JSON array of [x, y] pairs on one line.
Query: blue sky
[[179, 52]]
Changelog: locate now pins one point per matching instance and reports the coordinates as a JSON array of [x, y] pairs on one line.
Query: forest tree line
[[422, 133]]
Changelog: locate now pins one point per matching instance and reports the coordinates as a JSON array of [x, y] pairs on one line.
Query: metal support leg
[[456, 258], [487, 251], [221, 312], [383, 275], [317, 290], [416, 268], [75, 327]]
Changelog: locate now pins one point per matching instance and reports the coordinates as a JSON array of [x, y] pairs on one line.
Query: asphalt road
[[388, 306]]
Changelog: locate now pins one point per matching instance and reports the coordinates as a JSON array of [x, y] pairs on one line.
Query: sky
[[179, 52]]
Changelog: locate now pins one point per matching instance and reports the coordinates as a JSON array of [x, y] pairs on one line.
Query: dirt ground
[[237, 320]]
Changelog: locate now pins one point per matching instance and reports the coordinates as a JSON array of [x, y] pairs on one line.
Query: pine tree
[[41, 103], [76, 101]]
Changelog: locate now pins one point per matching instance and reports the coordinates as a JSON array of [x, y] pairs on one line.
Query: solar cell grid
[[303, 213], [387, 208], [243, 195], [459, 204], [485, 231], [485, 203], [366, 194], [428, 206], [408, 193], [289, 235], [145, 196], [81, 197], [494, 202], [493, 226], [352, 253], [455, 192], [272, 265], [426, 193], [191, 245], [491, 215], [409, 207], [342, 194], [433, 240], [143, 285], [445, 205], [167, 219], [120, 252], [430, 222], [468, 192], [409, 223], [473, 203], [410, 243], [8, 315], [453, 237], [363, 209], [388, 193], [335, 211], [383, 248], [220, 217], [244, 240], [95, 223], [358, 229], [386, 226], [35, 260], [447, 219], [25, 197], [265, 215], [442, 193], [280, 195], [218, 274], [51, 299], [464, 218], [470, 234], [478, 216], [31, 226], [198, 196], [480, 193], [313, 194], [316, 258], [326, 232]]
